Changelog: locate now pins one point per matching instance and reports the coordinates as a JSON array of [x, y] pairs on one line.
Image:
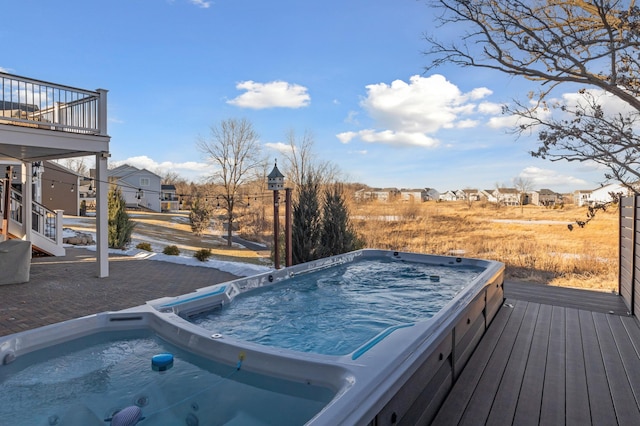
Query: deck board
[[624, 400], [594, 301], [602, 411], [530, 398], [577, 397], [506, 399], [455, 407], [552, 411], [551, 363]]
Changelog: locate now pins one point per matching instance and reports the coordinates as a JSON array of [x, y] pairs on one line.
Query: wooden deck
[[551, 356]]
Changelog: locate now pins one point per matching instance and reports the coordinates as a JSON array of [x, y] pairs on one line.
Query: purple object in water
[[128, 416]]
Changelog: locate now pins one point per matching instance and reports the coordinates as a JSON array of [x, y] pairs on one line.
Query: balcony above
[[40, 120]]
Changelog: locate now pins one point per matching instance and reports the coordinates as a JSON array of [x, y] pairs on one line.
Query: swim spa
[[396, 367]]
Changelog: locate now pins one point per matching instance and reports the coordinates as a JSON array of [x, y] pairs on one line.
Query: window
[[144, 181]]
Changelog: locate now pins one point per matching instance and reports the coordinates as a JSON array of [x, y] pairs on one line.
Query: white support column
[[102, 112], [27, 200], [59, 221], [102, 215]]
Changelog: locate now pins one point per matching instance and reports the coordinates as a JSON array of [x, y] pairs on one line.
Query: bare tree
[[590, 47], [303, 164], [171, 178], [77, 164], [234, 150], [523, 186]]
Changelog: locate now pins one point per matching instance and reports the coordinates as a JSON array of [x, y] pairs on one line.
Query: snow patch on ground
[[236, 268]]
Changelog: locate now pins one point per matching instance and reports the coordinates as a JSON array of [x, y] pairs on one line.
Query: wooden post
[[287, 227], [276, 219]]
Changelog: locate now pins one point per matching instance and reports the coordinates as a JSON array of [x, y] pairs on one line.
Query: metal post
[[276, 218], [102, 215], [287, 227], [634, 254], [27, 201], [6, 204]]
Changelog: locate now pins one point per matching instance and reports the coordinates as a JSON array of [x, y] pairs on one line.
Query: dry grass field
[[534, 242]]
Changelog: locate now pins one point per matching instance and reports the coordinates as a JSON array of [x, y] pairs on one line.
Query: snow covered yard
[[162, 237]]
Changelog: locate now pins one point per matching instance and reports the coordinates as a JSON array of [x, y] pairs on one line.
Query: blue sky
[[349, 72]]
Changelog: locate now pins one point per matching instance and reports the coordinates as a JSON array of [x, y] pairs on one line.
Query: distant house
[[169, 200], [507, 196], [581, 197], [603, 194], [140, 187], [87, 192], [380, 194], [544, 197], [59, 188], [414, 195], [472, 195], [487, 195], [452, 195], [432, 194]]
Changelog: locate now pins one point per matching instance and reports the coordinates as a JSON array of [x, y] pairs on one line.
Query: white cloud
[[352, 118], [467, 124], [489, 108], [275, 94], [503, 121], [479, 93], [279, 146], [397, 138], [346, 137], [542, 178], [2, 69], [612, 105], [201, 3], [422, 105], [187, 169], [411, 113]]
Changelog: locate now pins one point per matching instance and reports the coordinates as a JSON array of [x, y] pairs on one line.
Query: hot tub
[[395, 368]]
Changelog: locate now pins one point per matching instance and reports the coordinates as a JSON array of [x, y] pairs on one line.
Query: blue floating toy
[[162, 362]]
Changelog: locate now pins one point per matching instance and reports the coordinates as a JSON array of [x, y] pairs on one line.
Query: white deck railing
[[33, 103], [46, 224]]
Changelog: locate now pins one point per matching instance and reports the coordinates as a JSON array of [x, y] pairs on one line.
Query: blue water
[[335, 310], [86, 381]]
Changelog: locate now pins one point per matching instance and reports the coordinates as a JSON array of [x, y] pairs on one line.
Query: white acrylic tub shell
[[364, 382]]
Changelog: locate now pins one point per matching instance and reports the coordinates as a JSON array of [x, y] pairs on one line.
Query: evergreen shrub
[[171, 250], [202, 255], [144, 246]]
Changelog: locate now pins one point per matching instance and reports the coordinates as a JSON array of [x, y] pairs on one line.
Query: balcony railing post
[[102, 112]]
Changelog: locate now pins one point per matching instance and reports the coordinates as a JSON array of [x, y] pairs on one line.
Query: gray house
[[140, 187]]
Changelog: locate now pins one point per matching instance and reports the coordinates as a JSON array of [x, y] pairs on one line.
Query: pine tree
[[337, 236], [120, 224], [200, 217], [306, 223]]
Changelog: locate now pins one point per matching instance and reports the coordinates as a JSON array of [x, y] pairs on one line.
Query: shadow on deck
[[551, 356]]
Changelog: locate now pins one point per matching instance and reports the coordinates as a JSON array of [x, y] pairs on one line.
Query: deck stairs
[[46, 224]]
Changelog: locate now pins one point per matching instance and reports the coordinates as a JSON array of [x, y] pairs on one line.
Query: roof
[[168, 187], [126, 170], [275, 173]]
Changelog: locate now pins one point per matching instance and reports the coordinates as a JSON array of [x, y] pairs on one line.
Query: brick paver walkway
[[62, 288]]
